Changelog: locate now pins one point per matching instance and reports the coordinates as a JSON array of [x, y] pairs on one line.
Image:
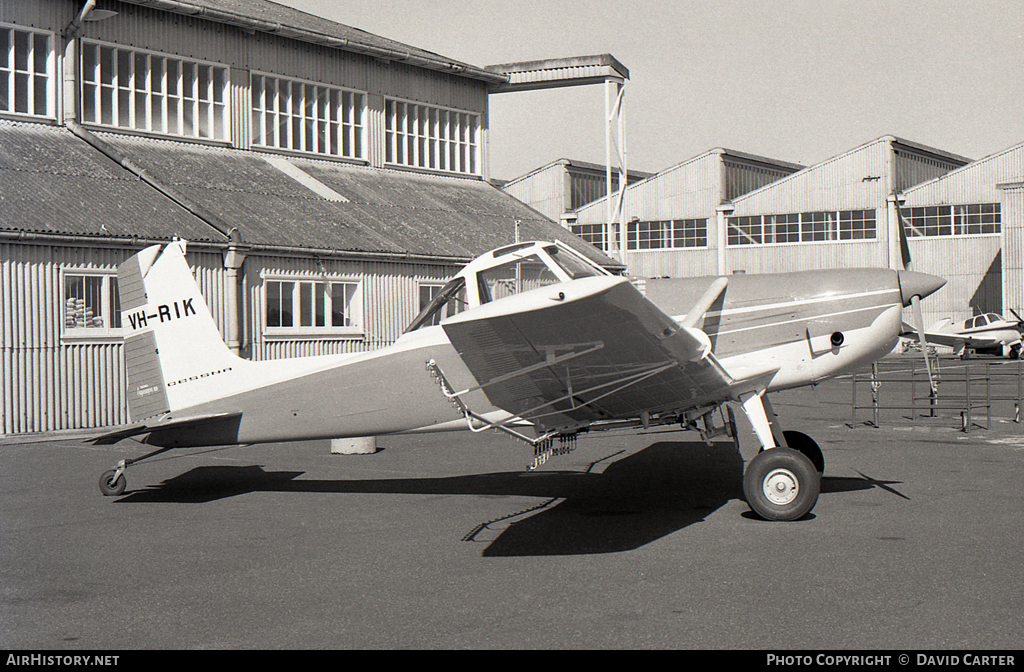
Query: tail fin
[[175, 355]]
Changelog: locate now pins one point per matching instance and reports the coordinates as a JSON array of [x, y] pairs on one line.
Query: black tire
[[1015, 352], [806, 445], [781, 484], [111, 487]]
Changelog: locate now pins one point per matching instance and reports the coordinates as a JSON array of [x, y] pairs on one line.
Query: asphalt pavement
[[446, 541]]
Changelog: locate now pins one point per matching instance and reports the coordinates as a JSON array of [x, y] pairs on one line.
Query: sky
[[793, 80]]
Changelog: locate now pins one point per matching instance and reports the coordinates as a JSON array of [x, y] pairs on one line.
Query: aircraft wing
[[583, 351], [955, 340]]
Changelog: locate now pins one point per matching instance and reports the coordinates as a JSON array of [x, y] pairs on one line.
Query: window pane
[[279, 304], [5, 49], [21, 92], [83, 302], [305, 304], [115, 303], [21, 50], [341, 299], [41, 53], [320, 304], [273, 304], [39, 96]]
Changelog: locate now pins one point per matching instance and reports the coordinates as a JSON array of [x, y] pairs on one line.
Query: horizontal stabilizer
[[167, 429]]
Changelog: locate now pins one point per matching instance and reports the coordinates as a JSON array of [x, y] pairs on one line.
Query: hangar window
[[856, 224], [595, 234], [667, 234], [92, 305], [817, 226], [806, 227], [27, 72], [307, 117], [296, 307], [953, 220], [433, 138], [144, 91], [745, 230], [782, 228]]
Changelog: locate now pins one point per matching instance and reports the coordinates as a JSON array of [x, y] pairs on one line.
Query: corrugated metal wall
[[43, 15], [742, 178], [973, 269], [912, 167], [543, 190], [52, 382], [390, 302], [1013, 248], [973, 183], [810, 256], [856, 180], [978, 280]]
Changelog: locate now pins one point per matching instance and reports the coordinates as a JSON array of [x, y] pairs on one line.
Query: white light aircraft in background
[[531, 339], [985, 334]]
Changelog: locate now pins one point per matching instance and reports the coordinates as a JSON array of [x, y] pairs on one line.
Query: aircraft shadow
[[634, 501]]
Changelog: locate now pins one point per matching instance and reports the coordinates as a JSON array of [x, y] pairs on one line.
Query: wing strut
[[548, 361], [621, 383], [704, 303]]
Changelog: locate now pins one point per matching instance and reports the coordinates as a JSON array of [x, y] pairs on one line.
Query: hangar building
[[966, 226], [671, 217], [960, 219], [328, 180], [559, 188]]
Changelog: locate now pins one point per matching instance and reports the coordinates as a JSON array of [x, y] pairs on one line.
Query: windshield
[[574, 266], [447, 301], [514, 277]]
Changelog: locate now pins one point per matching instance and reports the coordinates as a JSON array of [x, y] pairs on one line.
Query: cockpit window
[[992, 317], [574, 267], [448, 301], [514, 277]]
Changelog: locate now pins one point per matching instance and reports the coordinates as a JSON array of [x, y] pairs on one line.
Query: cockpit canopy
[[505, 272], [982, 320]]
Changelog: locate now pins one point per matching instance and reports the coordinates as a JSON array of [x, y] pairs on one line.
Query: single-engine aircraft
[[990, 333], [531, 339]]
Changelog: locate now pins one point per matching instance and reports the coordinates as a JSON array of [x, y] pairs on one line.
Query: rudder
[[174, 353]]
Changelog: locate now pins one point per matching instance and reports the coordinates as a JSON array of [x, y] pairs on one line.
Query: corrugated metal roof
[[387, 211], [53, 183], [276, 19]]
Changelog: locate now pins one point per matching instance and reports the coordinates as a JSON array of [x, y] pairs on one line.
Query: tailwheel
[[781, 484], [809, 447], [112, 482]]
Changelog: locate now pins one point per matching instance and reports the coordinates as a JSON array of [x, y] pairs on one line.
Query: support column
[[234, 257]]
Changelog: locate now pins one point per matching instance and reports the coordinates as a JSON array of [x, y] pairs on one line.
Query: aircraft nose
[[913, 284]]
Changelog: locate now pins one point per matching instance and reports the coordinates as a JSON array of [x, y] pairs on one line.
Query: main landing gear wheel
[[801, 442], [112, 483], [781, 484]]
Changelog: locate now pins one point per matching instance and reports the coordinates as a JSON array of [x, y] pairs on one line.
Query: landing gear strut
[[113, 483], [780, 483]]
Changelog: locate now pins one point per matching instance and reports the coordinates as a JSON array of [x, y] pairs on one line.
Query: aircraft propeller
[[915, 302]]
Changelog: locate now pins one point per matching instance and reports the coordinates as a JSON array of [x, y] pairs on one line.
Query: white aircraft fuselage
[[804, 327]]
